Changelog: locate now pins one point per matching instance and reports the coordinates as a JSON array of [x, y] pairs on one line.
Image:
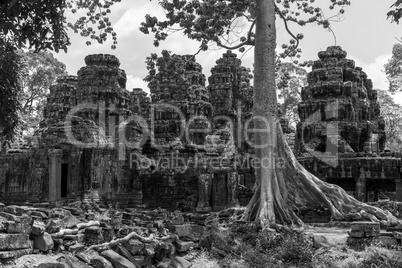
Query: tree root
[[293, 187], [116, 242]]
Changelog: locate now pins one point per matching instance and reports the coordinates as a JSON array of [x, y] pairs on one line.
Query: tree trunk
[[282, 183]]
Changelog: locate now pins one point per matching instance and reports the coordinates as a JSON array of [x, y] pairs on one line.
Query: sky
[[363, 32]]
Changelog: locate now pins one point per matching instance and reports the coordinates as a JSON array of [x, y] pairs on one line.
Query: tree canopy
[[42, 24], [41, 70]]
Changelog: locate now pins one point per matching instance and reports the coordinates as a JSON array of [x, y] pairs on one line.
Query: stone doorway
[[219, 192]]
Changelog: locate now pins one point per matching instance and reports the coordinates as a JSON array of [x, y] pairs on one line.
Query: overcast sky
[[364, 33]]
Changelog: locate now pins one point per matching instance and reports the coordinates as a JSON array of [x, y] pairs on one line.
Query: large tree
[[279, 188], [42, 25]]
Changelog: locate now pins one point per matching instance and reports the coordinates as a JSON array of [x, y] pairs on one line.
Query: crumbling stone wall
[[21, 177]]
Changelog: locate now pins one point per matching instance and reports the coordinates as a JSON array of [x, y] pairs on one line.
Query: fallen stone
[[117, 260], [165, 263], [184, 246], [22, 227], [14, 241], [149, 250], [38, 227], [13, 254], [37, 261], [2, 206], [93, 258], [179, 262], [72, 262], [43, 242], [134, 246], [12, 217], [78, 237], [92, 230], [39, 214], [76, 248], [124, 252], [16, 210]]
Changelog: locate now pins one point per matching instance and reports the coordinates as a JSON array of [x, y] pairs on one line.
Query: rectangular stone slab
[[14, 241]]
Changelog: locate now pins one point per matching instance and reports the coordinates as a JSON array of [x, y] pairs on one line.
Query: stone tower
[[180, 100], [231, 93], [340, 137]]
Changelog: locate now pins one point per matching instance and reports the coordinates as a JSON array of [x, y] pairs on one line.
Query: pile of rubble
[[83, 235], [363, 234]]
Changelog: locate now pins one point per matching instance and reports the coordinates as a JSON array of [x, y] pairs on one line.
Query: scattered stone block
[[76, 248], [14, 241], [179, 262], [134, 246], [124, 252], [38, 227], [117, 260], [43, 242], [13, 254], [72, 262], [184, 246], [38, 261]]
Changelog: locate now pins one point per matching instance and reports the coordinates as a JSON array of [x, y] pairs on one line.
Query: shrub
[[204, 260]]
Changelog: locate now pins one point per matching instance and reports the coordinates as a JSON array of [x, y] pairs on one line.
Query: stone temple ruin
[[102, 142], [341, 136]]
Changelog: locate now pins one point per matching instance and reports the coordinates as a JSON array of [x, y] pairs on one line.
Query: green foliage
[[396, 11], [42, 24], [289, 81], [216, 22], [251, 246], [393, 69], [10, 87], [391, 113], [204, 260], [42, 69]]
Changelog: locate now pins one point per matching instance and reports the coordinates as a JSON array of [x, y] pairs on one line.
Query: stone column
[[204, 192], [398, 188], [361, 186], [232, 189], [54, 175]]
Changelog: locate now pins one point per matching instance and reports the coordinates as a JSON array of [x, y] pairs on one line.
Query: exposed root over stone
[[293, 187]]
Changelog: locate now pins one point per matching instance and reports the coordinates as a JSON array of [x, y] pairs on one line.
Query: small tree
[[290, 79], [41, 70], [41, 25], [391, 112]]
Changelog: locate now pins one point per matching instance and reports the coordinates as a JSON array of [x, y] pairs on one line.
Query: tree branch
[[249, 41]]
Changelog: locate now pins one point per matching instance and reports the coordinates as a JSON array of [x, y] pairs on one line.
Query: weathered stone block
[[38, 261], [117, 260], [134, 246], [14, 241], [14, 253], [184, 246], [43, 242], [38, 227]]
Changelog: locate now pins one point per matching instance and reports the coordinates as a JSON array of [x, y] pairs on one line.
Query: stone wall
[[22, 177]]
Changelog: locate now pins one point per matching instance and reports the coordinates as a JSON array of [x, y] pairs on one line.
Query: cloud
[[375, 70], [136, 82], [129, 23]]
